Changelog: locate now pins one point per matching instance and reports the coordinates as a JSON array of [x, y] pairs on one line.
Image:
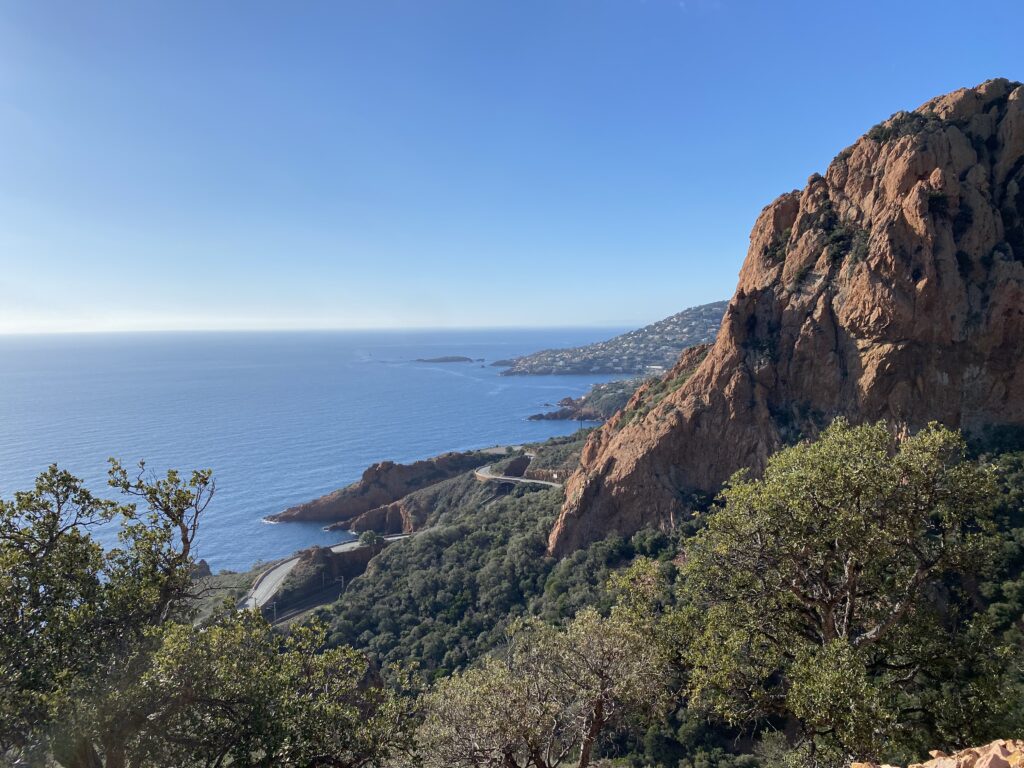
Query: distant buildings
[[649, 350]]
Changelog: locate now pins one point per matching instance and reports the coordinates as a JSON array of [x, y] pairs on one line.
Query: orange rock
[[1000, 753], [994, 755], [892, 287]]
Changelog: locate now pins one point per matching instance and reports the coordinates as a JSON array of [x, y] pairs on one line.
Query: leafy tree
[[370, 538], [833, 592], [498, 713], [1003, 591], [102, 667], [548, 698], [83, 621], [237, 693]]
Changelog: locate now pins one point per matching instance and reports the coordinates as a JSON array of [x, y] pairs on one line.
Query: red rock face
[[891, 288]]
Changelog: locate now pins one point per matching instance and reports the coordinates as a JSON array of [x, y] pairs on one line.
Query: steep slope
[[892, 287], [655, 346], [411, 512]]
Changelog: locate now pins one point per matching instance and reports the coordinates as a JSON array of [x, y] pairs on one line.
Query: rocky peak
[[891, 287]]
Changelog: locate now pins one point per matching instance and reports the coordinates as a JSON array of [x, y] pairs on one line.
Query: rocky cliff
[[1001, 753], [405, 515], [891, 287], [382, 484]]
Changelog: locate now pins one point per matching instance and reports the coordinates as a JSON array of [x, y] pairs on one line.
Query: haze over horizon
[[399, 164]]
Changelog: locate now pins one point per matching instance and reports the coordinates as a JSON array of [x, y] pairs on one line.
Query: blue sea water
[[280, 417]]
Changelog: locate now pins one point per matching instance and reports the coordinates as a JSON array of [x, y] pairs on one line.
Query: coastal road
[[487, 474], [269, 582]]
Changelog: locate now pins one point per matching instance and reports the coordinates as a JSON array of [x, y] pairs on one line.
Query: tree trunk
[[596, 724], [79, 753], [115, 755]]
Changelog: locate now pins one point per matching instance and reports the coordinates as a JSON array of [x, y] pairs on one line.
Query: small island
[[445, 359]]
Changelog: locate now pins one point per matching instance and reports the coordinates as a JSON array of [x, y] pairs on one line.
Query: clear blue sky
[[371, 163]]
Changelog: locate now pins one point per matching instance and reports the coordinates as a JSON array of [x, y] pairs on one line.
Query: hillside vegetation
[[865, 596]]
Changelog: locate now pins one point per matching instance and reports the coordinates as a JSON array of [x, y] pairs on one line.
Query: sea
[[279, 417]]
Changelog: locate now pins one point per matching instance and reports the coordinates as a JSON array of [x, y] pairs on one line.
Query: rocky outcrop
[[1001, 753], [382, 484], [409, 513], [403, 516], [892, 287], [599, 404]]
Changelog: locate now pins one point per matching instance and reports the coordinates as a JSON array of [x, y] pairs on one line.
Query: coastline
[[280, 418]]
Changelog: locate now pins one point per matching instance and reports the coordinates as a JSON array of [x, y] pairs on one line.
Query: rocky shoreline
[[598, 405]]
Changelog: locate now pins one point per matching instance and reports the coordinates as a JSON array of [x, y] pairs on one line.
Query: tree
[[237, 693], [102, 667], [370, 539], [832, 592], [83, 621], [547, 699]]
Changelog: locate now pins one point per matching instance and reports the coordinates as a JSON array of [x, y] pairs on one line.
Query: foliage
[[370, 539], [559, 453], [1003, 591], [236, 692], [447, 596], [210, 593], [102, 665], [904, 124], [832, 591], [83, 622], [776, 251], [550, 694], [607, 398], [865, 595]]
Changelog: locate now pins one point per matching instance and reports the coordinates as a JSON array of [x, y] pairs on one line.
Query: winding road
[[269, 582], [486, 474]]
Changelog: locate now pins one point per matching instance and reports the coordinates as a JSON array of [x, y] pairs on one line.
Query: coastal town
[[650, 350]]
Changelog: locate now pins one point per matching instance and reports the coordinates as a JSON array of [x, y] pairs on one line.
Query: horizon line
[[312, 329]]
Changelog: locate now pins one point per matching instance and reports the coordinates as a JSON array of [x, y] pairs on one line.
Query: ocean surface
[[280, 417]]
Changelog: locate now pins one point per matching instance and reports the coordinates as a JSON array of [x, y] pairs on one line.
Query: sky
[[243, 164]]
